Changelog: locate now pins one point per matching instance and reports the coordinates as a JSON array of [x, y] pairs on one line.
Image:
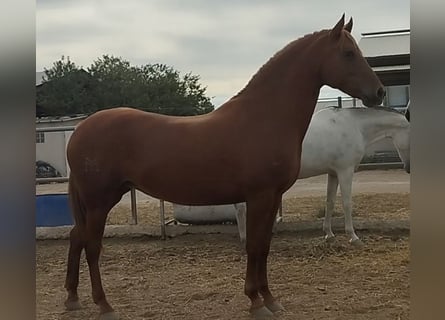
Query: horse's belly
[[191, 191], [313, 166], [211, 185]]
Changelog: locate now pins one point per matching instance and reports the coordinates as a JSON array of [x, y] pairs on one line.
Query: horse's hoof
[[275, 307], [109, 316], [261, 313], [357, 243], [329, 239], [71, 305]]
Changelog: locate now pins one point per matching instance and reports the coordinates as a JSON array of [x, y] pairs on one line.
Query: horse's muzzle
[[373, 99], [381, 93]]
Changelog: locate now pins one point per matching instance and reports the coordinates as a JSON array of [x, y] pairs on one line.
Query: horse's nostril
[[381, 93]]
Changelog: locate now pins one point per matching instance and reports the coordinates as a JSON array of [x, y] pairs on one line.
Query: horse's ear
[[348, 26], [336, 31]]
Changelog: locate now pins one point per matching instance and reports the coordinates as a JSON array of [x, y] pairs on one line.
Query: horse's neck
[[290, 70], [286, 88], [379, 125]]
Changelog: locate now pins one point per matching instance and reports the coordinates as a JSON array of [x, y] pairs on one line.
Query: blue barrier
[[53, 210]]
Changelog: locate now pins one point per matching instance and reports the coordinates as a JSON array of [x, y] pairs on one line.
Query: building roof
[[392, 68], [61, 119], [387, 43], [388, 54]]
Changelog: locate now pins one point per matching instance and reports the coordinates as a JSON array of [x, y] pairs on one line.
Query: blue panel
[[53, 210]]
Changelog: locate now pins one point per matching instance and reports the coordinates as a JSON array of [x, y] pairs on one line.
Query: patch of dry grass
[[369, 205]]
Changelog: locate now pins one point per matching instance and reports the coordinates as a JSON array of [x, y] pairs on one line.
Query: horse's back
[[208, 159], [179, 159]]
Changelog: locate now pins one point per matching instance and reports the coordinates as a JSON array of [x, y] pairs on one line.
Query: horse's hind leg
[[95, 228], [72, 276], [331, 195]]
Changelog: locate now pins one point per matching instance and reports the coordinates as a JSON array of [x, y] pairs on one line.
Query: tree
[[111, 81], [117, 83], [66, 89]]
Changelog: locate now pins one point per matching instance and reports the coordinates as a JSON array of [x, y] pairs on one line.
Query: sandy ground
[[201, 276]]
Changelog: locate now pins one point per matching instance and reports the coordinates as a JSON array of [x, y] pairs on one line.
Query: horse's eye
[[349, 54]]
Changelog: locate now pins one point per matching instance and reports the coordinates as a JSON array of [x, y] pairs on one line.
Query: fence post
[[339, 102], [162, 217], [134, 213]]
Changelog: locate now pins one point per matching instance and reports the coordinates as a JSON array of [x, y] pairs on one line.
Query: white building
[[51, 146], [388, 53]]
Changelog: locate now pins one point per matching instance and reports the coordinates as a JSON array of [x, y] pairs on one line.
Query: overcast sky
[[223, 41]]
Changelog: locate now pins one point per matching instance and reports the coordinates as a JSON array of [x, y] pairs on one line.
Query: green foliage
[[66, 89], [110, 82]]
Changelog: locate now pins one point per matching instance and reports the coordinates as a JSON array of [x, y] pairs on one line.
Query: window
[[40, 137], [397, 97]]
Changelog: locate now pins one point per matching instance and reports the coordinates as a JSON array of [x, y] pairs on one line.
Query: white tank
[[204, 214]]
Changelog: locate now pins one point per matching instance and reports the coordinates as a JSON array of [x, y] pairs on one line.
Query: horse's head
[[346, 69]]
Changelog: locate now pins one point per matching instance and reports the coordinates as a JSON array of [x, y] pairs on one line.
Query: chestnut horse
[[247, 150]]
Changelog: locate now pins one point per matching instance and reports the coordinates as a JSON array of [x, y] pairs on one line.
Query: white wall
[[67, 138], [53, 150]]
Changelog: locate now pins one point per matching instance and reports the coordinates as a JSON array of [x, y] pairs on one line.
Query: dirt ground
[[201, 276]]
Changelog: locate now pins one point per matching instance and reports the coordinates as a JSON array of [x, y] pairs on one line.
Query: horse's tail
[[77, 209]]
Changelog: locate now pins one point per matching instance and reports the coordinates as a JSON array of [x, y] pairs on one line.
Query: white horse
[[334, 144]]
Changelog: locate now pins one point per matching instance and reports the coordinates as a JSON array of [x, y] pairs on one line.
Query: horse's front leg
[[261, 212], [345, 181]]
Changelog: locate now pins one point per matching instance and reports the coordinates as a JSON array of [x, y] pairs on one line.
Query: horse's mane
[[293, 45]]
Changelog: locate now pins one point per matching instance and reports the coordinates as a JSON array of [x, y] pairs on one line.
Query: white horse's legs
[[330, 203], [241, 221], [345, 180]]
